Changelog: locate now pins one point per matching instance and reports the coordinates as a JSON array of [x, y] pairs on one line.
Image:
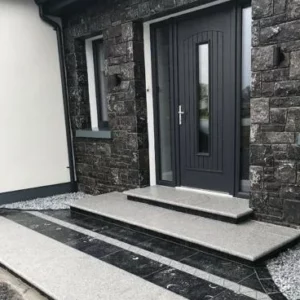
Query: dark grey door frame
[[237, 6]]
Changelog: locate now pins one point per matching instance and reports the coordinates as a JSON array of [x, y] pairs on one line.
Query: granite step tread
[[249, 241], [223, 206]]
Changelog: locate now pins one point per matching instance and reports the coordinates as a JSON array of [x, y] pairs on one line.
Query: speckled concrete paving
[[214, 204], [66, 274], [250, 240]]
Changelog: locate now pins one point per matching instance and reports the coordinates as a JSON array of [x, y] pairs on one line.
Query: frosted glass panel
[[163, 98], [204, 114], [245, 97]]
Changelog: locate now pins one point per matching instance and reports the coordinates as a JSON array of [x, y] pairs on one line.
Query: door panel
[[206, 75]]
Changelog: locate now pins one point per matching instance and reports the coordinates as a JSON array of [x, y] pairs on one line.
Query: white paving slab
[[64, 273], [219, 205], [250, 240]]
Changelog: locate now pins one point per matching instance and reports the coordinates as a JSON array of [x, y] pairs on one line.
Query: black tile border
[[192, 211], [257, 263], [255, 270], [105, 260]]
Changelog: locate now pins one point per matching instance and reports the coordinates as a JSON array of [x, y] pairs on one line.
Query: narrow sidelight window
[[100, 83], [203, 98], [162, 99], [97, 81], [245, 98]]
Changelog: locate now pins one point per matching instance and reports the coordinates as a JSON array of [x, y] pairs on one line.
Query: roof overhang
[[62, 7]]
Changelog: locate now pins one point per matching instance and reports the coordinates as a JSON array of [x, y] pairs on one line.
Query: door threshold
[[201, 191]]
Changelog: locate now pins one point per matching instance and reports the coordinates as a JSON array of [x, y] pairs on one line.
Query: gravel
[[8, 293], [285, 271], [49, 203]]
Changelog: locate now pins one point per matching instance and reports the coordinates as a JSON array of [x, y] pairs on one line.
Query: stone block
[[144, 9], [271, 128], [295, 65], [262, 8], [287, 88], [259, 154], [279, 137], [291, 211], [285, 32], [278, 115], [290, 192], [127, 31], [286, 172], [254, 133], [256, 84], [272, 21], [267, 89], [285, 102], [276, 202], [293, 152], [293, 119], [275, 75], [259, 110], [128, 71], [293, 9], [256, 175], [259, 201], [255, 33], [114, 31], [262, 58], [279, 6]]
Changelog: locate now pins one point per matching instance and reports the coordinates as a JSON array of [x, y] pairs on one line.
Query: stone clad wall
[[275, 112], [122, 162]]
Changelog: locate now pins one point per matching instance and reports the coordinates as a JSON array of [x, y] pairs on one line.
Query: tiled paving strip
[[62, 272], [161, 259], [222, 267]]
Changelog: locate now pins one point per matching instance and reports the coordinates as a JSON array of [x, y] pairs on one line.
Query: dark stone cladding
[[122, 162], [275, 112]]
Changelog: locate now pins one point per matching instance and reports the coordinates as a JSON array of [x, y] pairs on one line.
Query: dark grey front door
[[206, 95]]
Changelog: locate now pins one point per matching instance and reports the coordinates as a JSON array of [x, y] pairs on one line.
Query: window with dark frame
[[100, 83]]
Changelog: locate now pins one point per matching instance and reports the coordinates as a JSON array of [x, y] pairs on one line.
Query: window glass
[[101, 81], [203, 98], [245, 97], [163, 100]]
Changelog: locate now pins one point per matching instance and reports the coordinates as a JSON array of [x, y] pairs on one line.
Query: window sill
[[97, 134]]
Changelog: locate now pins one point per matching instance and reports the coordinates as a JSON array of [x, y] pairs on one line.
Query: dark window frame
[[153, 28], [101, 123]]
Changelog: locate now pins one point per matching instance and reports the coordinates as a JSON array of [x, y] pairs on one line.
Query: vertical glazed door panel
[[206, 94]]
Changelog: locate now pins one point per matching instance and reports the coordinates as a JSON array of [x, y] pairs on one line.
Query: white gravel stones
[[48, 203], [285, 271]]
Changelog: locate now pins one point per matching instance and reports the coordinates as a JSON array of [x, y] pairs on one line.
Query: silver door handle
[[180, 113]]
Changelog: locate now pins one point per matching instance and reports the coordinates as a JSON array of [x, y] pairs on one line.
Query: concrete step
[[250, 241], [224, 208]]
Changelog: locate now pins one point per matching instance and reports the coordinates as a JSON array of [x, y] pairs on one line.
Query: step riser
[[76, 211], [192, 211]]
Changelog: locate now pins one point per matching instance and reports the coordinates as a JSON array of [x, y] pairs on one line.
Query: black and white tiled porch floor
[[156, 268]]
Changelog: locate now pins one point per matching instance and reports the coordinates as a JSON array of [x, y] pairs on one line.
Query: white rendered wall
[[33, 143]]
